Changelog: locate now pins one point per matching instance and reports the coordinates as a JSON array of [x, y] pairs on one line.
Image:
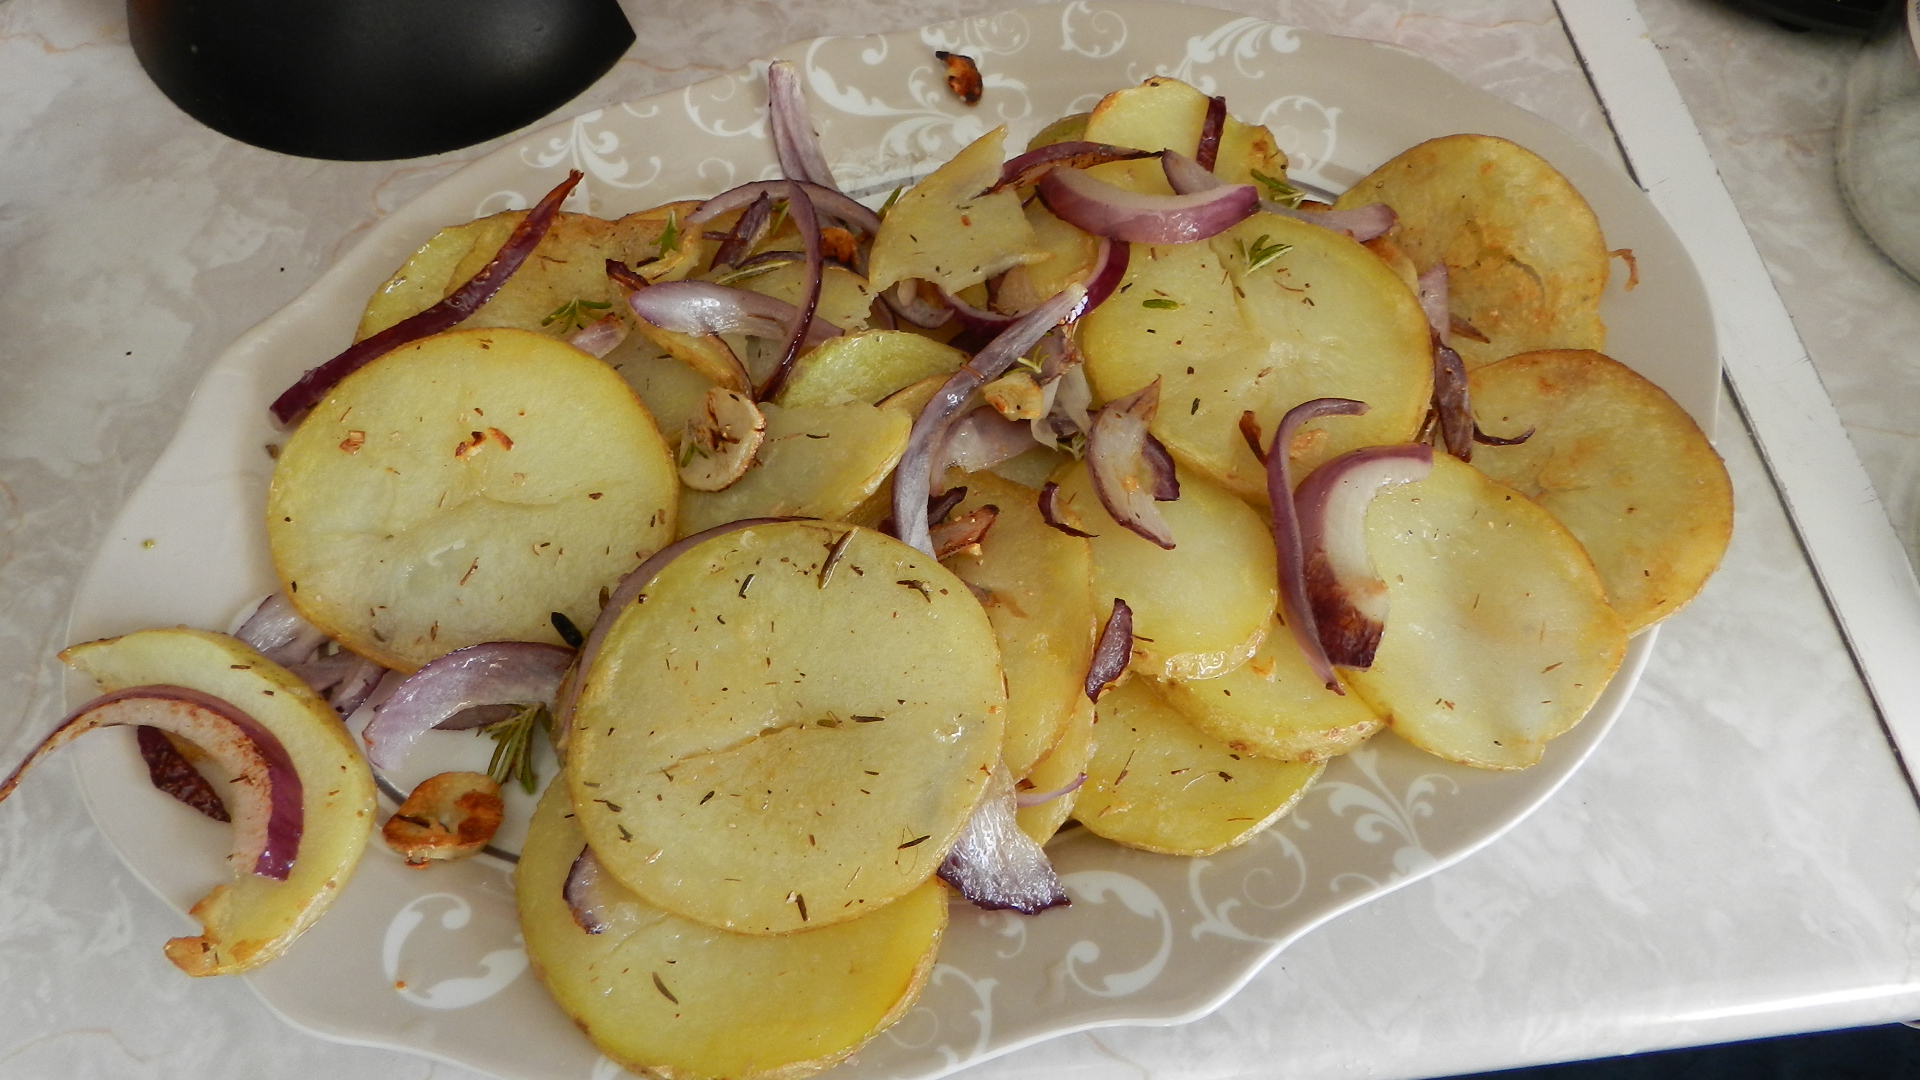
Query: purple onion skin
[[1350, 636], [794, 140], [268, 791], [171, 772], [808, 223], [1105, 210], [745, 233], [1120, 448], [494, 673], [828, 201], [1451, 403], [445, 315], [1112, 652], [582, 892], [1296, 607], [1049, 510], [1034, 164], [1208, 150], [994, 864]]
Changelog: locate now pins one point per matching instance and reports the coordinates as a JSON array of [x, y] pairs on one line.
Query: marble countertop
[[1740, 857]]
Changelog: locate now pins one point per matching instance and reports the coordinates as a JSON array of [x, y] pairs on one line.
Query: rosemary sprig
[[745, 272], [1278, 190], [1261, 253], [670, 236], [513, 747], [891, 199], [575, 313]]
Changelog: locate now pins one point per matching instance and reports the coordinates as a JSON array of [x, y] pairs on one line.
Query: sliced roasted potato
[[1498, 634], [1063, 765], [1525, 259], [1036, 585], [1199, 610], [1274, 707], [945, 231], [253, 919], [561, 287], [1166, 114], [845, 300], [769, 743], [1268, 314], [1070, 256], [461, 489], [668, 997], [1618, 463], [1158, 784], [672, 391], [867, 367], [817, 461]]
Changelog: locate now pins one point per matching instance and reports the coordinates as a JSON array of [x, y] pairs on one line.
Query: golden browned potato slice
[[1158, 784], [945, 231], [816, 461], [1498, 634], [560, 288], [845, 300], [667, 997], [1036, 585], [671, 390], [1268, 314], [867, 367], [1620, 464], [1070, 257], [1199, 610], [760, 753], [1525, 259], [461, 489], [1167, 114], [1061, 767], [253, 919], [1274, 707]]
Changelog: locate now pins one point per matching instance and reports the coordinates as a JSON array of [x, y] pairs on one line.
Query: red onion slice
[[1208, 150], [496, 673], [906, 301], [1112, 652], [1349, 600], [700, 308], [345, 679], [980, 440], [1050, 510], [267, 808], [445, 315], [801, 209], [1034, 164], [795, 142], [1026, 799], [1109, 269], [587, 888], [748, 231], [623, 594], [996, 865], [952, 537], [1106, 210], [1296, 606], [600, 337], [1130, 469], [1431, 287], [913, 477], [1485, 439], [828, 201], [1362, 223], [277, 631], [973, 318], [171, 772], [1450, 402]]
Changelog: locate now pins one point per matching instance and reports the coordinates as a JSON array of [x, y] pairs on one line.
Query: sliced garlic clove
[[720, 442]]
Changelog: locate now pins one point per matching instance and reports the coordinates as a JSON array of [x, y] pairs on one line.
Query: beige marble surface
[[1741, 856]]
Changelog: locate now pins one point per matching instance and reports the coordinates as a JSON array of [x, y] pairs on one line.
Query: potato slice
[[845, 300], [866, 367], [1325, 318], [1498, 634], [945, 231], [561, 287], [758, 752], [254, 919], [1274, 707], [819, 461], [667, 997], [1618, 463], [1062, 766], [1167, 114], [463, 488], [671, 391], [1035, 583], [1070, 256], [1525, 259], [1199, 610], [1158, 784]]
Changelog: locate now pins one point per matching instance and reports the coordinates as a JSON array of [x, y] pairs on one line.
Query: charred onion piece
[[963, 76], [1208, 149], [1106, 210], [996, 865], [496, 673], [449, 816], [448, 313], [953, 537], [1050, 510], [1450, 402], [828, 201], [586, 892], [1296, 607], [1485, 439], [268, 812], [800, 208], [913, 477], [1349, 600], [1130, 469], [1033, 164], [795, 142], [1112, 652], [172, 773], [747, 232]]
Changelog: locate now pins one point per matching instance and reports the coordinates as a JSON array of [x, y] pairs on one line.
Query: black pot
[[363, 80], [1832, 16]]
